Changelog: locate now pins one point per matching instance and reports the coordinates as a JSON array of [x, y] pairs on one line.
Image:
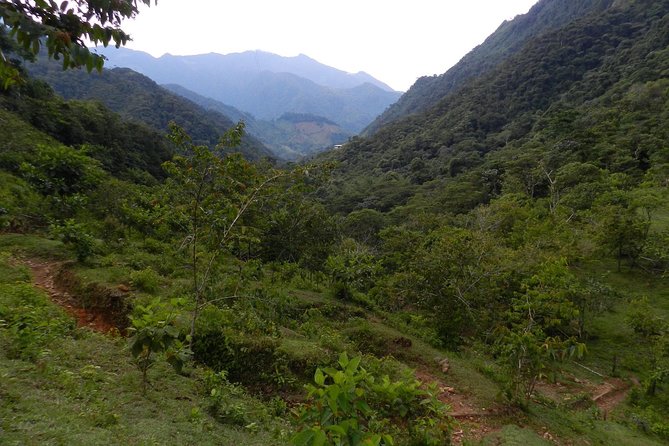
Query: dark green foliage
[[76, 236], [138, 99], [507, 40], [119, 145], [246, 358], [297, 230], [65, 31], [563, 103]]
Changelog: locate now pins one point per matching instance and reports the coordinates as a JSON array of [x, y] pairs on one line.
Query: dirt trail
[[44, 276], [475, 422], [610, 394], [471, 419]]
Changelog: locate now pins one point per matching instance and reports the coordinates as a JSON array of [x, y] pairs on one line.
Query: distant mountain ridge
[[267, 85], [291, 136], [507, 40]]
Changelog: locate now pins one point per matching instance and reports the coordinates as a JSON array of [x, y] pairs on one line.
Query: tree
[[534, 341], [653, 331], [621, 230], [211, 196], [64, 29]]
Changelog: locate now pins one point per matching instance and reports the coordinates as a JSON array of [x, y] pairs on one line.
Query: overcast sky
[[395, 41]]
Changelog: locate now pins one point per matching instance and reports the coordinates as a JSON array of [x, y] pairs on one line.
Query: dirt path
[[44, 276], [610, 394], [472, 420]]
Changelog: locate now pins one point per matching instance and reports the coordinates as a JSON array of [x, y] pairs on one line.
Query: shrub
[[228, 403], [247, 359], [154, 333], [350, 406], [146, 280], [76, 237]]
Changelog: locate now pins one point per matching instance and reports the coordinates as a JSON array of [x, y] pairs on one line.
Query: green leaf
[[343, 360], [353, 365], [305, 438], [319, 378]]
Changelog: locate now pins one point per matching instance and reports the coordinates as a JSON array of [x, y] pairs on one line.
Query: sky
[[396, 41]]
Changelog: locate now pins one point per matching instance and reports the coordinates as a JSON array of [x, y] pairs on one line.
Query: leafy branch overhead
[[66, 28]]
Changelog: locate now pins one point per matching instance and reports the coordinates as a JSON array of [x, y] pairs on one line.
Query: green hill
[[509, 39], [551, 99], [136, 97]]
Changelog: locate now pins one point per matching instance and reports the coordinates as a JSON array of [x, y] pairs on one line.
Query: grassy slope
[[85, 390]]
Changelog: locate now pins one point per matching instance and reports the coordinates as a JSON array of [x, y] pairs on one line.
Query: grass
[[83, 389], [513, 435], [33, 246], [585, 428], [110, 276], [611, 335]]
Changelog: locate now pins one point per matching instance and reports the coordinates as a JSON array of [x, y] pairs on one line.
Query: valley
[[262, 250]]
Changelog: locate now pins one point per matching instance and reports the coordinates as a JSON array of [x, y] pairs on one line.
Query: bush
[[248, 355], [76, 237], [229, 404], [146, 280], [350, 406], [247, 359]]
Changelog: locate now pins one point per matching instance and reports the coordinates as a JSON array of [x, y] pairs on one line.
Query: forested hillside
[[138, 98], [510, 38], [548, 103], [492, 270]]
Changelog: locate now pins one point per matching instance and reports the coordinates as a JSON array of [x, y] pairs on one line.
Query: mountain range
[[290, 137], [138, 98], [267, 85]]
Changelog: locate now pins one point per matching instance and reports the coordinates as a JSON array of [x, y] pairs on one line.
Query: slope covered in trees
[[123, 147], [510, 38], [547, 100], [138, 98]]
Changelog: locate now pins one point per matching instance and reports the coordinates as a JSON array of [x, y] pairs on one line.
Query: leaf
[[343, 360], [353, 365], [307, 437], [319, 378], [319, 438], [336, 428]]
